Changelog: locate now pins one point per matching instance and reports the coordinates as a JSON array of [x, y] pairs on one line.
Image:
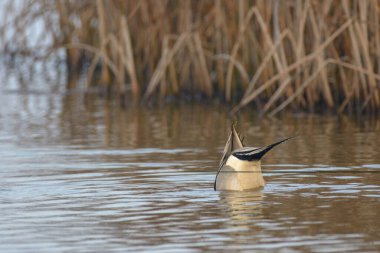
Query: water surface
[[89, 176]]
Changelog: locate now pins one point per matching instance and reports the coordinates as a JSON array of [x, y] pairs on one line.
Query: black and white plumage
[[240, 167], [253, 153]]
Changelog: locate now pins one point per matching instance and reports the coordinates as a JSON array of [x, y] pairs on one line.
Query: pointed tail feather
[[227, 150], [234, 142], [258, 153]]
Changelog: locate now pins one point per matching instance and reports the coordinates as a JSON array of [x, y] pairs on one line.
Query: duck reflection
[[242, 207], [243, 211]]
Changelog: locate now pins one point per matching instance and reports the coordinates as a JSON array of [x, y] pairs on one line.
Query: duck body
[[240, 167], [238, 175]]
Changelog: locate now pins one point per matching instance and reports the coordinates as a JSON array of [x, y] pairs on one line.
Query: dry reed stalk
[[320, 62], [117, 54], [234, 46], [307, 82], [263, 64], [238, 65], [376, 29], [192, 66], [234, 52], [219, 43], [276, 35], [162, 84], [252, 12], [173, 79], [128, 57], [342, 77], [72, 54], [204, 73], [301, 13], [246, 45], [299, 90], [355, 47], [284, 77], [368, 63], [283, 83], [344, 104], [162, 65], [363, 71], [291, 67], [104, 75]]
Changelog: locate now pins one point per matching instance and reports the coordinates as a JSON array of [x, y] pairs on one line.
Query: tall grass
[[300, 54]]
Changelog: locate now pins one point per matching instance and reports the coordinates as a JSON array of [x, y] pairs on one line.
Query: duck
[[240, 167]]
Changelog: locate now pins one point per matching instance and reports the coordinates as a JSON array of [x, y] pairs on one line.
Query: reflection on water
[[82, 175]]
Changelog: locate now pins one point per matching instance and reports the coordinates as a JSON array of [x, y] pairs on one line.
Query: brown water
[[81, 176]]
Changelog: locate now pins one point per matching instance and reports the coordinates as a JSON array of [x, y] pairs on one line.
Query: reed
[[299, 54]]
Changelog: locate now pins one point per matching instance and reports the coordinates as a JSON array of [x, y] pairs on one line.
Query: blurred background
[[269, 55], [114, 115]]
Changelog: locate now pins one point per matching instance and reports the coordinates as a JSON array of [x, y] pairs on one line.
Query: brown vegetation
[[276, 54]]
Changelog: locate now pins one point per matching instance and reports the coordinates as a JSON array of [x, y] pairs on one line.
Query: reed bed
[[303, 55]]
